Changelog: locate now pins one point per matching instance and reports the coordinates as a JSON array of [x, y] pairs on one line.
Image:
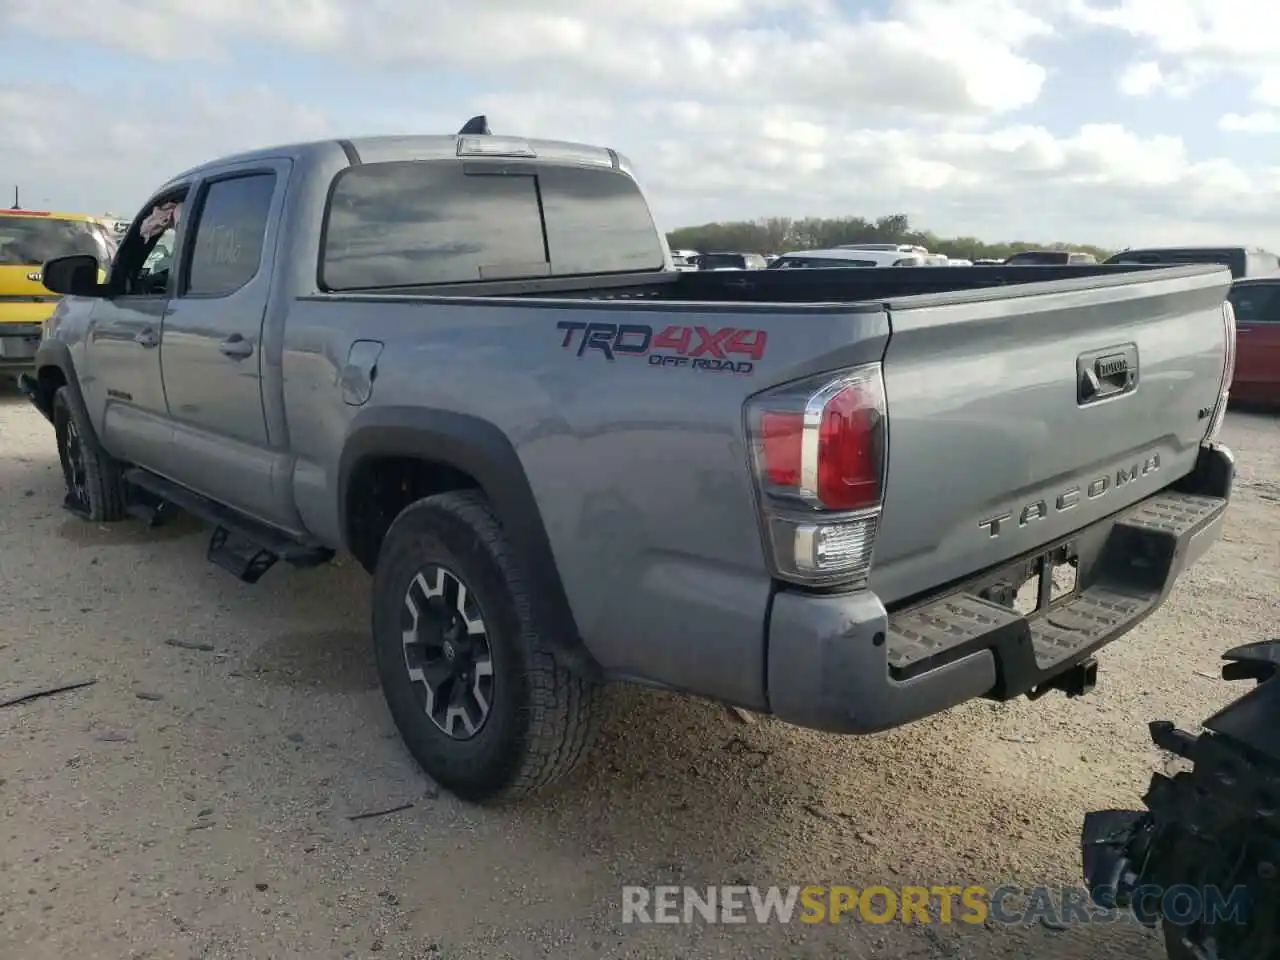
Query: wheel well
[[49, 379], [381, 486]]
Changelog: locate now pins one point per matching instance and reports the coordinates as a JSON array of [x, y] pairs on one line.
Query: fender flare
[[480, 449], [55, 353]]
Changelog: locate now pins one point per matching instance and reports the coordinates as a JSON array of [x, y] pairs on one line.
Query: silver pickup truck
[[850, 498]]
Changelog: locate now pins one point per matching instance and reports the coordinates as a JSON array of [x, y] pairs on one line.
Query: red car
[[1257, 305]]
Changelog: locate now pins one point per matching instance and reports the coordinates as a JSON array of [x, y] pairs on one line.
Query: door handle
[[236, 347], [146, 337]]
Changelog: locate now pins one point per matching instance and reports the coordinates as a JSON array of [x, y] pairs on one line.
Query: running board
[[240, 545]]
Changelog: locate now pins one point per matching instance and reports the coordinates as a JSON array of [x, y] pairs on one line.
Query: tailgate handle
[[1103, 374]]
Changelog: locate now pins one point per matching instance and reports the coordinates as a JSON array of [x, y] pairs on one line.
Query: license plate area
[[19, 347], [1037, 585]]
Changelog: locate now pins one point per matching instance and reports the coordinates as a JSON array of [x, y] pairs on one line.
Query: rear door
[[1257, 306], [999, 445], [212, 356]]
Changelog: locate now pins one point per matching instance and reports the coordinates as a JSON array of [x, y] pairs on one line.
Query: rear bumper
[[18, 345], [843, 664]]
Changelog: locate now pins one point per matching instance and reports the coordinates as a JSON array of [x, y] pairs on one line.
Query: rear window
[[407, 224], [31, 241]]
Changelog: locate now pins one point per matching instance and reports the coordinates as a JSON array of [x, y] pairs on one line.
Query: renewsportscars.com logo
[[971, 904]]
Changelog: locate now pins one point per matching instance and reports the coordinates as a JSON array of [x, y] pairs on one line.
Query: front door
[[213, 344], [123, 378]]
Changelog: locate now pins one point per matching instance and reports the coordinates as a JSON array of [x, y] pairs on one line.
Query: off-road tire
[[540, 720], [101, 494]]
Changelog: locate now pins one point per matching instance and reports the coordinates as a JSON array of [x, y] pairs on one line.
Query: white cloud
[[63, 147], [729, 108], [927, 57], [1260, 121], [1207, 39], [1141, 79]]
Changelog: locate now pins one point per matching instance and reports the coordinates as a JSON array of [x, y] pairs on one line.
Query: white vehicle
[[731, 261], [844, 257], [684, 260], [899, 247], [957, 262]]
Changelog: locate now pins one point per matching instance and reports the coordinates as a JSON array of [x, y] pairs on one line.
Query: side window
[[142, 263], [597, 222], [231, 228], [406, 223], [1256, 303]]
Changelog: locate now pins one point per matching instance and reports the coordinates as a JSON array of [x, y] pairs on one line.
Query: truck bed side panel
[[639, 469], [985, 422]]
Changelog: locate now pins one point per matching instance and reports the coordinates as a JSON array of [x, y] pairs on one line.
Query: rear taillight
[[819, 450], [1228, 372]]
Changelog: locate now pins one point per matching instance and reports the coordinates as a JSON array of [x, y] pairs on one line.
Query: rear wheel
[[468, 673], [95, 488]]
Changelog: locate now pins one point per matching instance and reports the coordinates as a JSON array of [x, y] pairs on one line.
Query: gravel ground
[[196, 800]]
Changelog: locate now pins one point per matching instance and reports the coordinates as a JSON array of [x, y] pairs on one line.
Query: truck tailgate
[[1020, 415]]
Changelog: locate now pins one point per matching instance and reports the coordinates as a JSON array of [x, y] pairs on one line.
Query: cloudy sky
[[1118, 122]]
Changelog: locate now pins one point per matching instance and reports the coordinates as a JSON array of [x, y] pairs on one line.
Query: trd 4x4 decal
[[695, 348]]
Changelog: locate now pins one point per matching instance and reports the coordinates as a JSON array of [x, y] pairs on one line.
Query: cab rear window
[[409, 224], [27, 241]]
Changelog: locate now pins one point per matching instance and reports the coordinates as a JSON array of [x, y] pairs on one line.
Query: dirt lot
[[196, 800]]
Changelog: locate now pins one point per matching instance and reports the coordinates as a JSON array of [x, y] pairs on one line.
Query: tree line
[[783, 234]]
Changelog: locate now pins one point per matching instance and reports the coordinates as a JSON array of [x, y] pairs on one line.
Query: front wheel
[[95, 487], [467, 671]]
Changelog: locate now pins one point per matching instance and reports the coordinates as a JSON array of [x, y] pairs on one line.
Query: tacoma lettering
[[1070, 498]]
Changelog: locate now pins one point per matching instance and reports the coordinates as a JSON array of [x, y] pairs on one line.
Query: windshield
[[31, 241], [710, 261]]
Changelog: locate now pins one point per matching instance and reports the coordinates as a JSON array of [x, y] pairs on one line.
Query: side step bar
[[240, 545]]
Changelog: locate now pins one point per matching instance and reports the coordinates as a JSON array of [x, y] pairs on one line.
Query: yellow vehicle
[[27, 239]]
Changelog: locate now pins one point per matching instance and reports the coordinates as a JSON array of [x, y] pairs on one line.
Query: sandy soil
[[195, 801]]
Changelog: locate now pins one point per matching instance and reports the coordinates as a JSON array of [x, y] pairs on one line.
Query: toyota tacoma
[[847, 498]]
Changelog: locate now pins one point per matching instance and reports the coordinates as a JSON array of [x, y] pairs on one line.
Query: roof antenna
[[476, 126], [16, 205]]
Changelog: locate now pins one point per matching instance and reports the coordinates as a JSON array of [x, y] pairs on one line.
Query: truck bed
[[854, 284], [981, 367]]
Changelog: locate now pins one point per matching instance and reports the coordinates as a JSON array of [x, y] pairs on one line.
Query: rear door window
[[231, 228], [407, 224]]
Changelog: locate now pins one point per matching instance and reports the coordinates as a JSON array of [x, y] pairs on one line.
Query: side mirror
[[74, 276]]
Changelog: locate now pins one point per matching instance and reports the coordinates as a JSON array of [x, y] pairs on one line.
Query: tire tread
[[103, 476], [559, 722]]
